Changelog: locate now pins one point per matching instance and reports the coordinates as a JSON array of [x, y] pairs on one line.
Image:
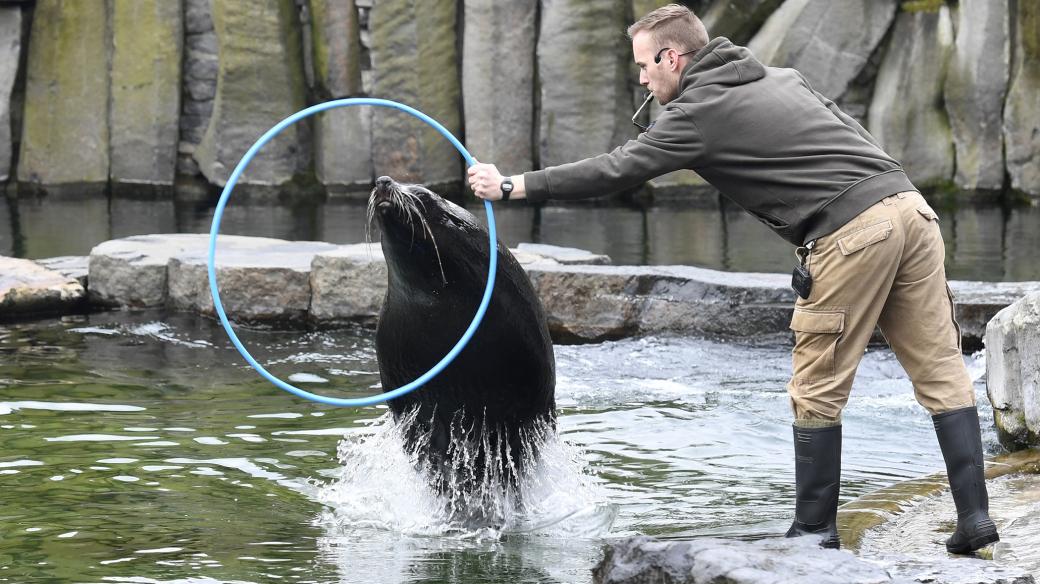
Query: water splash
[[384, 485]]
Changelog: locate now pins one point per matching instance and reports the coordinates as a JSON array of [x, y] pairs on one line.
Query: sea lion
[[478, 416]]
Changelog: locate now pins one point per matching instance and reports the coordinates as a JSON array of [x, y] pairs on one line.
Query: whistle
[[649, 96]]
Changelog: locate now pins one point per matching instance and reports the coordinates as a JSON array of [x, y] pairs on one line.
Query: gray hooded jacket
[[761, 135]]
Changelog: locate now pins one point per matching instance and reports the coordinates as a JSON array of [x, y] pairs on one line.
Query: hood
[[721, 62]]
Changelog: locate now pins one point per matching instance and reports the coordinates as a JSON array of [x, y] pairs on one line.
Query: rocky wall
[[115, 88]]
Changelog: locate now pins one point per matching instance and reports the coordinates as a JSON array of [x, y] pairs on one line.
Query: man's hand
[[486, 181]]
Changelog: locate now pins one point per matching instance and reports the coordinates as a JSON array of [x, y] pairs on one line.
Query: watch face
[[507, 187]]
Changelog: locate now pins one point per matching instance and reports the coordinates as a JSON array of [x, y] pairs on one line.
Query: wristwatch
[[507, 188]]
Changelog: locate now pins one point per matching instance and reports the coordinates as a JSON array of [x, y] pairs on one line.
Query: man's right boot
[[961, 443], [817, 475]]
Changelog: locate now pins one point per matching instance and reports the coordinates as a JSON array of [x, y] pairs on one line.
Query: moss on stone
[[922, 5], [65, 136]]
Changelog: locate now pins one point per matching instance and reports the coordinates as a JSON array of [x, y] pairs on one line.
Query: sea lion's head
[[422, 234]]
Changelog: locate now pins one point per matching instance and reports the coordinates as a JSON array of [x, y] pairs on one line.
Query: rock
[[738, 20], [415, 62], [978, 302], [974, 93], [348, 284], [131, 272], [583, 63], [498, 51], [67, 75], [27, 288], [260, 279], [906, 115], [641, 559], [343, 137], [1013, 372], [1022, 108], [564, 255], [829, 41], [199, 85], [597, 303], [10, 56], [144, 115], [259, 83], [72, 267]]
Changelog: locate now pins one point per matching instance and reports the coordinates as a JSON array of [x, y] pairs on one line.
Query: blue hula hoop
[[215, 231]]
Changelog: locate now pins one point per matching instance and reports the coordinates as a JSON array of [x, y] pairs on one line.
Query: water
[[982, 243], [138, 447], [1014, 504]]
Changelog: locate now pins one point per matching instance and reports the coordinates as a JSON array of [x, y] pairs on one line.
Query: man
[[870, 248]]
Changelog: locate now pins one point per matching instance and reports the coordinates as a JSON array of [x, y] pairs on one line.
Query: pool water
[[139, 447]]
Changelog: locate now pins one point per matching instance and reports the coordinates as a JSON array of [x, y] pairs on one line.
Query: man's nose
[[644, 79]]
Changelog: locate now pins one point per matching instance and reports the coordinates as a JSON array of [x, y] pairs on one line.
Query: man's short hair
[[674, 26]]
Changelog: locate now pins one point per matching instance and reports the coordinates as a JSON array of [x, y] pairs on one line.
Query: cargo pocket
[[928, 213], [817, 333], [865, 237]]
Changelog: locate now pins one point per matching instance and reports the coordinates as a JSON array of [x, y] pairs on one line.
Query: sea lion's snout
[[383, 192]]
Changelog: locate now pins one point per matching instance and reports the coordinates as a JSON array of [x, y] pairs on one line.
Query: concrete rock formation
[[737, 20], [415, 61], [199, 85], [906, 115], [10, 53], [259, 83], [583, 62], [65, 137], [1022, 107], [498, 50], [343, 137], [147, 37], [829, 41], [974, 92], [1013, 372], [950, 90]]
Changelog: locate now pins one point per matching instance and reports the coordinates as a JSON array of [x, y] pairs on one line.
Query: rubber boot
[[961, 443], [817, 475]]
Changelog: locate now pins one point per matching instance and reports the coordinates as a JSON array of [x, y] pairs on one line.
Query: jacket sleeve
[[672, 143], [844, 117]]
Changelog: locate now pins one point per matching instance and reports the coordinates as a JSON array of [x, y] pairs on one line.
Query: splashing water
[[384, 485]]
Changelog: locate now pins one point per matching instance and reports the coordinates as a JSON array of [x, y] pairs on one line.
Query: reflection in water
[[982, 243]]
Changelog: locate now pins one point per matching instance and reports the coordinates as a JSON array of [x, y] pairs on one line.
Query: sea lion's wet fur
[[497, 397]]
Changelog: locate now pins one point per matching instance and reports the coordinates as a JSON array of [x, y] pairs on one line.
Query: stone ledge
[[331, 284], [29, 289]]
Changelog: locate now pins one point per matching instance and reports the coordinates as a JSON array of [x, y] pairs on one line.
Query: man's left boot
[[961, 443]]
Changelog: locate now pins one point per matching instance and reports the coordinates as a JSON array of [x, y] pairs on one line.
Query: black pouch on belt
[[801, 279]]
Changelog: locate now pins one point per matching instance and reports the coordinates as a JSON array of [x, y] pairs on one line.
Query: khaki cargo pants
[[883, 267]]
